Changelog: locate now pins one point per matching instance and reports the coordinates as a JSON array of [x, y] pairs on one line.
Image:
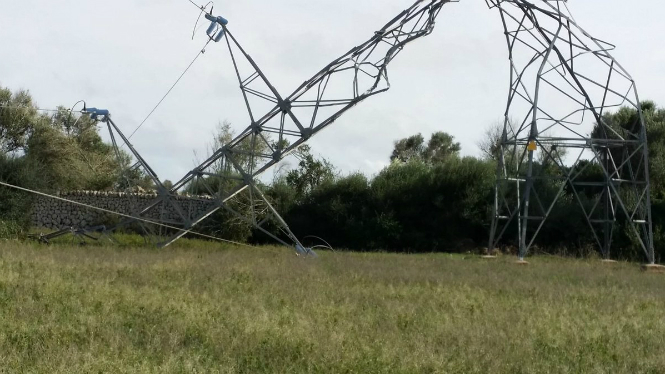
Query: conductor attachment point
[[216, 29]]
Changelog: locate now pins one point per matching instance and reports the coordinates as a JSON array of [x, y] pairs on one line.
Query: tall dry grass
[[229, 310]]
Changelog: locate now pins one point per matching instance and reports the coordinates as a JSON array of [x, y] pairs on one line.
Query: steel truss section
[[561, 79], [136, 168], [280, 124]]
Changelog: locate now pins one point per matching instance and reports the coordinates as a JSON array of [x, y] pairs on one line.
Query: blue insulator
[[214, 21], [94, 112], [211, 28], [99, 112], [219, 36], [219, 19]]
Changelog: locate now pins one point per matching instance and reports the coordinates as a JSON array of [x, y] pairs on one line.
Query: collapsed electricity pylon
[[562, 79], [280, 124]]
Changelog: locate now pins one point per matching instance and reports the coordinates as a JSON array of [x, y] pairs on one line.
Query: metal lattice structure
[[562, 80], [279, 124]]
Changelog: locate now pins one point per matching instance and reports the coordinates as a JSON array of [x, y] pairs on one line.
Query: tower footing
[[653, 268]]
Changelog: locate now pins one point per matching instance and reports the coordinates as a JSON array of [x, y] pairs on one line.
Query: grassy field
[[207, 308]]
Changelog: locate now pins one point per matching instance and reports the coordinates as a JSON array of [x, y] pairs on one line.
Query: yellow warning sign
[[532, 146]]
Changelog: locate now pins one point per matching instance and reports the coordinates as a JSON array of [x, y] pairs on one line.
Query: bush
[[16, 205], [413, 206], [435, 206], [11, 230]]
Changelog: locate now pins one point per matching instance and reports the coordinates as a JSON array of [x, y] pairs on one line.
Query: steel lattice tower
[[561, 79], [562, 83]]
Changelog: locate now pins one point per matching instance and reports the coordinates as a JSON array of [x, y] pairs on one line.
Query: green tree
[[311, 172], [440, 147], [408, 148], [17, 116], [225, 179], [71, 154], [62, 151]]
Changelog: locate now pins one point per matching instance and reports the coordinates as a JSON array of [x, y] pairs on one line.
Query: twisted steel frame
[[293, 119], [560, 76]]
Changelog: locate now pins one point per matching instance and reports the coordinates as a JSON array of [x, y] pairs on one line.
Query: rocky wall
[[56, 214]]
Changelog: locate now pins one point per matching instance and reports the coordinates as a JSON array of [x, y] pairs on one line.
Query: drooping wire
[[195, 4], [203, 10], [71, 110], [202, 51], [37, 109], [55, 111]]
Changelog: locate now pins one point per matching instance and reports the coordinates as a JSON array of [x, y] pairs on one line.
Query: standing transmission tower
[[563, 81]]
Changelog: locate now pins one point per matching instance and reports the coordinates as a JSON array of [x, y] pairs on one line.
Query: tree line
[[428, 199]]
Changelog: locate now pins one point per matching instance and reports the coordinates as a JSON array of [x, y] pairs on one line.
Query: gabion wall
[[57, 214]]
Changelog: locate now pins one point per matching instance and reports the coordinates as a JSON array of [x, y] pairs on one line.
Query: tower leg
[[525, 217], [257, 220], [607, 219], [495, 214]]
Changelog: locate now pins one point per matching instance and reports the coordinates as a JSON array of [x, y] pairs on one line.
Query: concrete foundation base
[[522, 262], [609, 261], [488, 257], [652, 268]]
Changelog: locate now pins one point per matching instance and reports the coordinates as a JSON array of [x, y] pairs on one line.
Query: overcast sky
[[124, 54]]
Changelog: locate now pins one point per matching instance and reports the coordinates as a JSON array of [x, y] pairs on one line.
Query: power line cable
[[195, 4], [203, 11], [200, 7], [170, 89], [38, 109], [202, 51]]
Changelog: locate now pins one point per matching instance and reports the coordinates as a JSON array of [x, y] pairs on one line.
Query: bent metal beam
[[562, 83]]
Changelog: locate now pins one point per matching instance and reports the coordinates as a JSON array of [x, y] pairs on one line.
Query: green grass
[[208, 308]]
